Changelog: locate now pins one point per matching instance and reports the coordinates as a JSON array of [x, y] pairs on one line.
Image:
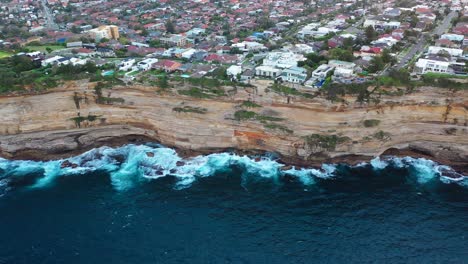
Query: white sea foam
[[131, 164]]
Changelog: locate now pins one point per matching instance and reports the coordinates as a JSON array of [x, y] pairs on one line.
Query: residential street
[[421, 42]]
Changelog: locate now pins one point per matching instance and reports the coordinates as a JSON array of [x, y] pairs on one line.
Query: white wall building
[[283, 60], [426, 65], [322, 71], [145, 65], [234, 70], [453, 37], [126, 65], [267, 71]]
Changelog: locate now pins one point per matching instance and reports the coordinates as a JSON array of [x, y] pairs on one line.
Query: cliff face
[[431, 121]]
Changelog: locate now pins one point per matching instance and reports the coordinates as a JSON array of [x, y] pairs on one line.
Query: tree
[[21, 64], [341, 54], [371, 34], [387, 57], [414, 20], [376, 64], [75, 29], [49, 50], [348, 43], [170, 28]]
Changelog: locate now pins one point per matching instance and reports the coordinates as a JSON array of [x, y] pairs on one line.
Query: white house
[[294, 75], [453, 37], [233, 71], [426, 65], [267, 71], [342, 64], [249, 46], [282, 60], [187, 54], [145, 65], [51, 61], [322, 71], [452, 52], [78, 61], [126, 64]]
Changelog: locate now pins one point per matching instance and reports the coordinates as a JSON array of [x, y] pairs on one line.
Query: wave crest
[[130, 164]]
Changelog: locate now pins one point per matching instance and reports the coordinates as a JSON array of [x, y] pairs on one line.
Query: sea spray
[[130, 165]]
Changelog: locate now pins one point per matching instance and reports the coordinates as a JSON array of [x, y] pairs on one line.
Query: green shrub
[[383, 136], [282, 128], [190, 109], [244, 115], [371, 122], [249, 104], [328, 142]]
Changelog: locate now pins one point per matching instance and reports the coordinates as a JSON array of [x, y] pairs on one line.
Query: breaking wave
[[132, 164]]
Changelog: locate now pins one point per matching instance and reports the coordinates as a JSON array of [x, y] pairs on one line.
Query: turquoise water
[[146, 204]]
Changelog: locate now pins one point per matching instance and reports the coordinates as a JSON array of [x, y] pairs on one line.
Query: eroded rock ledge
[[430, 123]]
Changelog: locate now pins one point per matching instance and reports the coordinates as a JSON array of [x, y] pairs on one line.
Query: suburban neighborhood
[[301, 44]]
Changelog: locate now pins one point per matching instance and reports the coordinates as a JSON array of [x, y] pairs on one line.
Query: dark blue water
[[358, 215]]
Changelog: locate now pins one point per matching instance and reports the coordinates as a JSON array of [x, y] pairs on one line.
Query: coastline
[[64, 148], [429, 123]]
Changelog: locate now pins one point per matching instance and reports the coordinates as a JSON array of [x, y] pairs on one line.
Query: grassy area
[[194, 92], [4, 54], [444, 75], [44, 48], [249, 115], [288, 91]]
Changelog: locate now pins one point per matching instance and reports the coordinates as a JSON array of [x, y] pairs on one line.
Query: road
[[421, 42], [49, 17]]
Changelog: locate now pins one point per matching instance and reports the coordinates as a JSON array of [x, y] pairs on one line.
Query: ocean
[[146, 204]]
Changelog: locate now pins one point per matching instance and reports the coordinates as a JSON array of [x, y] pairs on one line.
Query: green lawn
[[4, 54], [444, 75], [43, 48]]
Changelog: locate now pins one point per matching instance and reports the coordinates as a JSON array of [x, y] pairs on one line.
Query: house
[[104, 32], [294, 75], [77, 61], [453, 37], [249, 46], [51, 61], [76, 44], [392, 12], [174, 40], [450, 51], [446, 43], [147, 64], [233, 71], [267, 71], [282, 60], [367, 51], [105, 52], [341, 64], [322, 71], [423, 66], [247, 75], [167, 65], [126, 64]]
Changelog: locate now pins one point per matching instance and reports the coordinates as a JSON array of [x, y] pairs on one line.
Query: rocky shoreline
[[44, 146], [430, 123]]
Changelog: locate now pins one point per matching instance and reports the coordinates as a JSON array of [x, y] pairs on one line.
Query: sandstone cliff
[[430, 122]]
